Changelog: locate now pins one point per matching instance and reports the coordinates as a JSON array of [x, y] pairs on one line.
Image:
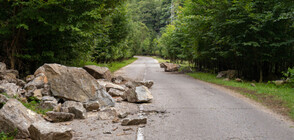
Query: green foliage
[[113, 66], [254, 37], [36, 32], [34, 105], [290, 75], [8, 136]]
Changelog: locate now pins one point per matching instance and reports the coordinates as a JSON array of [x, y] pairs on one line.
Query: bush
[[290, 75]]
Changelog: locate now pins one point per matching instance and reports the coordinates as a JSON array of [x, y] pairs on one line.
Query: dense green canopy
[[254, 37]]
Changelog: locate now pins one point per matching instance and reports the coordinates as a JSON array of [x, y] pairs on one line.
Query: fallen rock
[[98, 72], [138, 95], [11, 89], [14, 116], [30, 78], [148, 83], [109, 85], [231, 74], [134, 121], [76, 108], [39, 81], [226, 79], [115, 92], [2, 67], [49, 131], [92, 105], [238, 80], [107, 114], [74, 83], [60, 116], [118, 80], [38, 94], [21, 83], [9, 75], [170, 67], [46, 90], [279, 82], [3, 100], [123, 114], [48, 102], [252, 84]]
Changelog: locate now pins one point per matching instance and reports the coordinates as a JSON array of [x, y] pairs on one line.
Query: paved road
[[197, 110]]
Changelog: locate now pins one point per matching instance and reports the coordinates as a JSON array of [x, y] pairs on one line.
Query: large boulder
[[49, 131], [98, 72], [75, 108], [227, 74], [59, 116], [74, 83], [170, 67], [139, 94], [15, 116]]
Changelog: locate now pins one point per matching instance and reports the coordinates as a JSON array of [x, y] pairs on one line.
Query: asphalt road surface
[[198, 110]]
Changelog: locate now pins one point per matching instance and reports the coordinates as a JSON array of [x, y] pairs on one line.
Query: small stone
[[118, 80], [226, 79], [48, 102], [148, 83], [115, 120], [123, 114], [92, 106], [252, 84], [38, 94], [30, 78], [107, 132], [115, 92], [238, 80], [60, 116], [128, 129], [134, 121], [107, 114], [114, 128]]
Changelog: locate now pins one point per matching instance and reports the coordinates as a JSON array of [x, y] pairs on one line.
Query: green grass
[[114, 66], [276, 97], [8, 136], [161, 60], [35, 106]]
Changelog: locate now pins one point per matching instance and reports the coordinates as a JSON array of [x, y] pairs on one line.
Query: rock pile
[[170, 67], [70, 92]]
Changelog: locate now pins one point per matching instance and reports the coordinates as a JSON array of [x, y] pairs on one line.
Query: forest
[[256, 38]]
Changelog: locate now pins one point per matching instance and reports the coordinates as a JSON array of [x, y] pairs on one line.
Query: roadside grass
[[113, 66], [161, 60], [32, 104], [279, 98]]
